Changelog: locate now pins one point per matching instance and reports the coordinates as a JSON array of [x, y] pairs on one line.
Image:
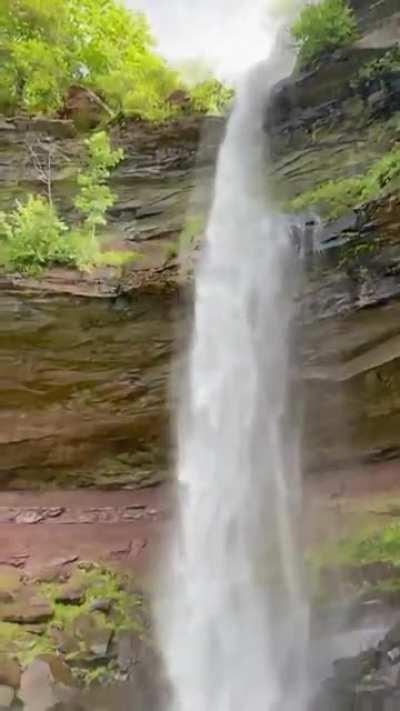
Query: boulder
[[72, 594], [84, 108], [10, 672], [101, 605], [30, 610], [46, 683], [352, 669], [93, 633]]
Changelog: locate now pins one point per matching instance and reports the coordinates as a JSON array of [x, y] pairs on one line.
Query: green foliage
[[211, 97], [194, 226], [95, 196], [112, 258], [335, 197], [48, 46], [382, 545], [33, 236], [126, 614], [322, 28], [379, 69]]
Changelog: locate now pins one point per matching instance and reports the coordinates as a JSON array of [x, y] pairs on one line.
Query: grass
[[376, 546], [98, 583]]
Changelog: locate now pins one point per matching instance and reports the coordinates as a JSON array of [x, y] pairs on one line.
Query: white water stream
[[233, 618]]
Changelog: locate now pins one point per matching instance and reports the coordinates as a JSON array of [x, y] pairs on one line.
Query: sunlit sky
[[229, 35]]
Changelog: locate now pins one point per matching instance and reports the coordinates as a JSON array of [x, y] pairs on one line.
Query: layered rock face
[[86, 359], [84, 382], [323, 128]]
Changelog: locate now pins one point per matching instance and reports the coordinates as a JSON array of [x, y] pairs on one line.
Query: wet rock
[[98, 641], [101, 605], [392, 639], [7, 695], [64, 641], [353, 669], [94, 635], [6, 597], [72, 593], [46, 683], [394, 655], [131, 650], [10, 672], [30, 516], [27, 611], [372, 696]]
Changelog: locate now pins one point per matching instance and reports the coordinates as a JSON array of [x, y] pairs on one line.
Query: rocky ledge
[[369, 681], [68, 627]]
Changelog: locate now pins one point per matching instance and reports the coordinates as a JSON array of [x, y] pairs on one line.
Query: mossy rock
[[81, 632]]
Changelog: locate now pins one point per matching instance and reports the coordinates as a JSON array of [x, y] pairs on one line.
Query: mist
[[227, 35]]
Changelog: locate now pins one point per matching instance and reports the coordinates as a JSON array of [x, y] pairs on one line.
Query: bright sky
[[229, 35]]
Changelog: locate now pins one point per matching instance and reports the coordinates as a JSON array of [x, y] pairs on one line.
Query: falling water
[[233, 619]]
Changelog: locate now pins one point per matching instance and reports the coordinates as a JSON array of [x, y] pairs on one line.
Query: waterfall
[[233, 615]]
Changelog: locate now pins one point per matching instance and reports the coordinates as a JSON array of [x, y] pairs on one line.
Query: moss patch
[[368, 561], [109, 602]]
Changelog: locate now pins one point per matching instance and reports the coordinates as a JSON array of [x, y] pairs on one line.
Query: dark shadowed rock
[[84, 108]]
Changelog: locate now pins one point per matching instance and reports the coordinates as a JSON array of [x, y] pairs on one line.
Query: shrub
[[33, 236], [211, 97], [322, 28]]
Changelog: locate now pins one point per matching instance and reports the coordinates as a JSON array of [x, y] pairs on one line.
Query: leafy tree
[[324, 27], [95, 196], [48, 46]]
